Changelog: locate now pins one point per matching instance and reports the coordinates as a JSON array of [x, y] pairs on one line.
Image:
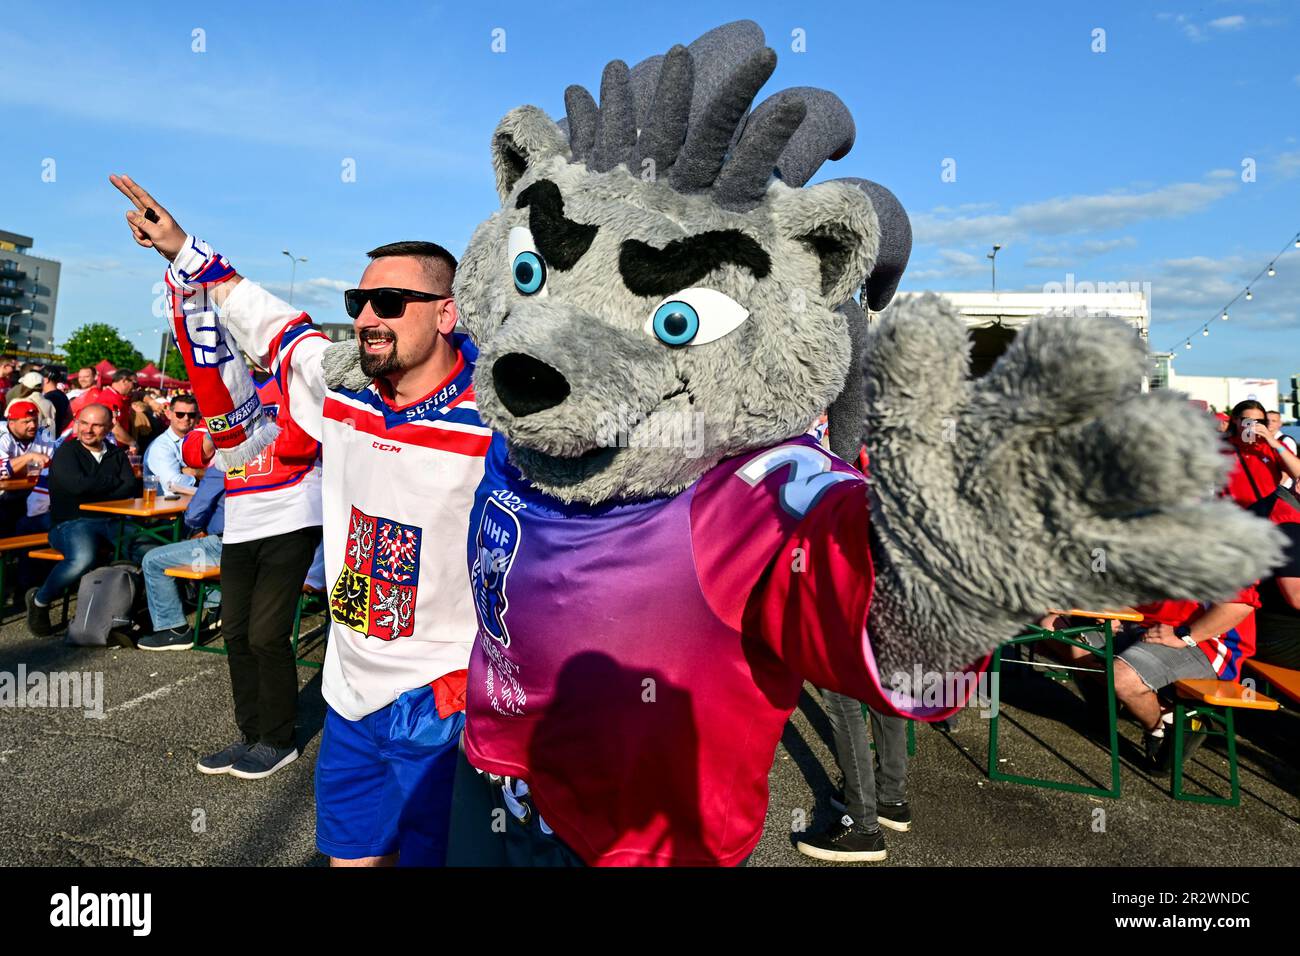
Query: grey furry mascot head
[[660, 289]]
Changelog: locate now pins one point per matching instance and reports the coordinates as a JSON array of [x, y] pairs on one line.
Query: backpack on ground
[[106, 607]]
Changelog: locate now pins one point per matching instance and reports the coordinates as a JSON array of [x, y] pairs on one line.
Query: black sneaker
[[845, 842], [896, 816], [38, 618], [211, 622], [176, 639], [262, 760], [1159, 749], [223, 760]]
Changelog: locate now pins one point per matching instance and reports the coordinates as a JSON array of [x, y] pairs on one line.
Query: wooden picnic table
[[135, 508]]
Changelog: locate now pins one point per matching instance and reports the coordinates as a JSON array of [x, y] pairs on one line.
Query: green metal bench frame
[[1217, 721], [1107, 655]]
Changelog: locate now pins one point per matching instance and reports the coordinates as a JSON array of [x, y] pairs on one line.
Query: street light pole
[[993, 264], [293, 270], [9, 323]]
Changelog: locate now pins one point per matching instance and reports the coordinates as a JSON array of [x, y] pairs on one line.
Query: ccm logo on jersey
[[382, 447]]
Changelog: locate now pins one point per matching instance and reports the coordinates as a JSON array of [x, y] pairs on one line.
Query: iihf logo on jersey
[[375, 593], [497, 543]]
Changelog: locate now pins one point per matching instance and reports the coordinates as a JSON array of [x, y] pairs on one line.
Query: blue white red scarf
[[227, 398]]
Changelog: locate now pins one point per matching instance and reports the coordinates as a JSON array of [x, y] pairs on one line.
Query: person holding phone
[[1261, 460]]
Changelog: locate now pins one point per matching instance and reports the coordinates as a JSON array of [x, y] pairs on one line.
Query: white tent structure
[[994, 317]]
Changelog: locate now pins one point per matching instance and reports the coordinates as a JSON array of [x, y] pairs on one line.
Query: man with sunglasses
[[403, 450], [162, 459]]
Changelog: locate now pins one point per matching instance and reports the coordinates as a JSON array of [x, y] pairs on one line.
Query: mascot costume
[[660, 555]]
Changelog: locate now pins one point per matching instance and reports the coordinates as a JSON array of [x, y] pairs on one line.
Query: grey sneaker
[[175, 639], [223, 760], [262, 760]]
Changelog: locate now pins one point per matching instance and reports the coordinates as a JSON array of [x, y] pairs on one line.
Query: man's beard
[[378, 365]]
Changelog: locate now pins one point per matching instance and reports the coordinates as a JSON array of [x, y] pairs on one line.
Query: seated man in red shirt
[[1181, 640], [115, 397], [1177, 640]]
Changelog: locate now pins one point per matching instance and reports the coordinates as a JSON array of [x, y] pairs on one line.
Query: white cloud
[[321, 294], [1189, 29], [1057, 256], [1234, 22], [1200, 32], [953, 263], [1068, 214], [335, 285], [1287, 164], [1187, 292]]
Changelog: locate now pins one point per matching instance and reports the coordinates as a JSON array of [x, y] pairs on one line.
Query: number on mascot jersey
[[809, 478]]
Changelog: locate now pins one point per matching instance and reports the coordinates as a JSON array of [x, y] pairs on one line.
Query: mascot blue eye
[[529, 272], [675, 323]]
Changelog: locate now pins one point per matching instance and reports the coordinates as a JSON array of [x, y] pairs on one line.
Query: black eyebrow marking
[[561, 241], [683, 262]]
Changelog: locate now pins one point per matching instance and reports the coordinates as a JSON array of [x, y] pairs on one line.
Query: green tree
[[92, 343]]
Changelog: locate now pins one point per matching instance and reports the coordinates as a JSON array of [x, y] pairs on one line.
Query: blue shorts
[[383, 783]]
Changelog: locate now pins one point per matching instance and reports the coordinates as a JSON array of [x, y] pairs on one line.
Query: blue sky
[[1122, 165]]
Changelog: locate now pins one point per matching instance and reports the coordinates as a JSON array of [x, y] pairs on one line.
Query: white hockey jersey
[[397, 486]]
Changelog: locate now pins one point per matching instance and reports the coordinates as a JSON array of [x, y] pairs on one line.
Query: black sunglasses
[[186, 414], [387, 303]]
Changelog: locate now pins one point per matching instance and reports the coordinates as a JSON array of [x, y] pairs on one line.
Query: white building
[[1221, 392]]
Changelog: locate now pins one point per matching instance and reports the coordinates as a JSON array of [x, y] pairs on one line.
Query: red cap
[[19, 410], [1221, 416]]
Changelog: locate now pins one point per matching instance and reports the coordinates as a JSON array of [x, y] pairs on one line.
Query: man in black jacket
[[88, 469]]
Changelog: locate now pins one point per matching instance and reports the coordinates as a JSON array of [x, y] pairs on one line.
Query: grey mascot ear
[[895, 243], [838, 224], [524, 137], [848, 411]]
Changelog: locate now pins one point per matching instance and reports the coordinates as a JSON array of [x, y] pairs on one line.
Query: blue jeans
[[164, 592], [79, 541]]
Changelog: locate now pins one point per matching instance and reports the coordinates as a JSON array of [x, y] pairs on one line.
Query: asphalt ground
[[122, 790]]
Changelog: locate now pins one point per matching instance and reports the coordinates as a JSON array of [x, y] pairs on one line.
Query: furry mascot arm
[[1050, 482]]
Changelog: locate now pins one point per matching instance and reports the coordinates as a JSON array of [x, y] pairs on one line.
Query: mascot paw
[[1051, 482], [342, 363]]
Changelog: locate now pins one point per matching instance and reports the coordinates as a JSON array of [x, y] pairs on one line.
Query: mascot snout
[[527, 385]]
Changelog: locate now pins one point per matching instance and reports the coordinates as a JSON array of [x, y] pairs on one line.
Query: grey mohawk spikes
[[688, 113]]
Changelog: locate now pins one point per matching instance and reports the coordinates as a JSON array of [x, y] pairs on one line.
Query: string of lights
[[1246, 293]]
